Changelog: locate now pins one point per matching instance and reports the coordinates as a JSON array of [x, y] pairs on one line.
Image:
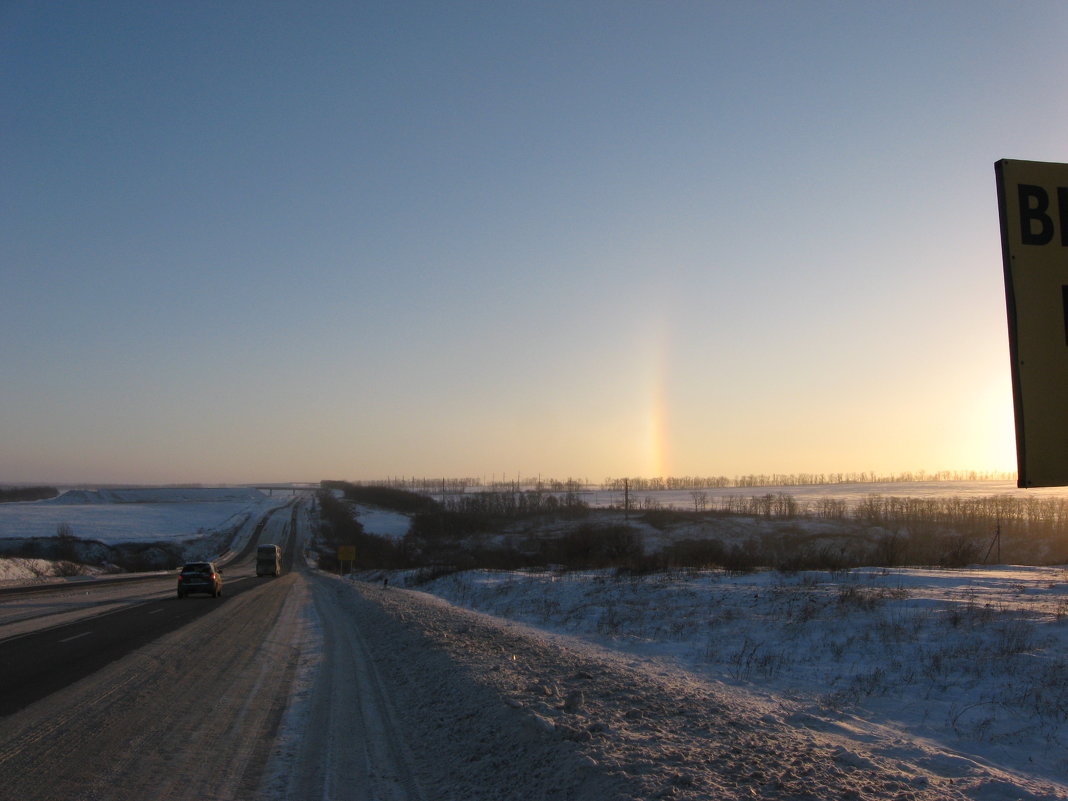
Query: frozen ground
[[136, 515], [935, 679], [382, 522]]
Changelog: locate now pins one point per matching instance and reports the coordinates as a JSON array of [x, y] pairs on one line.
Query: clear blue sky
[[259, 241]]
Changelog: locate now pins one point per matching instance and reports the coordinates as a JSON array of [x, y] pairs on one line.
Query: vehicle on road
[[200, 577], [268, 560]]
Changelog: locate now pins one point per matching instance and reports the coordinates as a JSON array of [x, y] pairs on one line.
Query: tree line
[[442, 487], [664, 483], [13, 494]]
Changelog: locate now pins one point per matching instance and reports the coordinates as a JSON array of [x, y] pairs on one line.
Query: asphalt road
[[37, 664]]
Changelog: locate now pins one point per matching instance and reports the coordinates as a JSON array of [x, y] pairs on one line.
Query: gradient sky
[[269, 241]]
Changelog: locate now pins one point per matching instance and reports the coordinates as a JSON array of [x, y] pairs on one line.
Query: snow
[[17, 570], [159, 495], [136, 515], [382, 522], [941, 673]]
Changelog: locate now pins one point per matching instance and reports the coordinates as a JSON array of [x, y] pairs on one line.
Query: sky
[[274, 241]]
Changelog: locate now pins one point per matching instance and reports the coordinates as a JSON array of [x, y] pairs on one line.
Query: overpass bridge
[[292, 489]]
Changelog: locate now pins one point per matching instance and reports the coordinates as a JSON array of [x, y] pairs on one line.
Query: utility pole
[[996, 541]]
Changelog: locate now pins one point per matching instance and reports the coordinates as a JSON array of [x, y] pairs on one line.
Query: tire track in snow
[[342, 740]]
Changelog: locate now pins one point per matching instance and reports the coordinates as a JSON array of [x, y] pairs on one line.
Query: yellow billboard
[[1033, 204]]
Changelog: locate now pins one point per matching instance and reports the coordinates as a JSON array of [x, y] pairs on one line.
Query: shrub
[[389, 498], [338, 527], [66, 548], [27, 494], [695, 553], [594, 547]]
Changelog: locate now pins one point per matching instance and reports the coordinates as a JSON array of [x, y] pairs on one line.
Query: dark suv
[[200, 577]]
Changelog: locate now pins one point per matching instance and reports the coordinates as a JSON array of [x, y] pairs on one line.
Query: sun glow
[[657, 459], [995, 413], [657, 447]]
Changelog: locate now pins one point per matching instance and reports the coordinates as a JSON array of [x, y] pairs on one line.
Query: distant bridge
[[283, 488]]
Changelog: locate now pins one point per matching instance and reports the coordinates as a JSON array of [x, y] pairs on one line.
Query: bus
[[268, 560]]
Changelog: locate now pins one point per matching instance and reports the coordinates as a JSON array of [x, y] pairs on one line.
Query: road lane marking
[[155, 611], [77, 636]]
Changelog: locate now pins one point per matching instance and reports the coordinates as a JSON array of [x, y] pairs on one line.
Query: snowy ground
[[382, 522], [136, 515], [936, 676], [17, 570]]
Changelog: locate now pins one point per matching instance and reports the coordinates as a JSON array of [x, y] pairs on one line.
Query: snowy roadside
[[885, 684]]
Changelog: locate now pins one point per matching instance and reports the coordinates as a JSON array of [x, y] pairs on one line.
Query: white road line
[[77, 636], [155, 611]]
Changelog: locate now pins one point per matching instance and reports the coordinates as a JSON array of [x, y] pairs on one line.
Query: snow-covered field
[[135, 515], [946, 670], [382, 522]]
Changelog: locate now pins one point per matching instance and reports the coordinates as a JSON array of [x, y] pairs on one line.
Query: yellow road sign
[[346, 553], [1033, 205]]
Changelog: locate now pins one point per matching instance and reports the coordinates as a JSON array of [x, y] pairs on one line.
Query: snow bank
[[20, 571], [929, 667]]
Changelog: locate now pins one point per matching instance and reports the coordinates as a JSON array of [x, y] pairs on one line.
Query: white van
[[268, 560]]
